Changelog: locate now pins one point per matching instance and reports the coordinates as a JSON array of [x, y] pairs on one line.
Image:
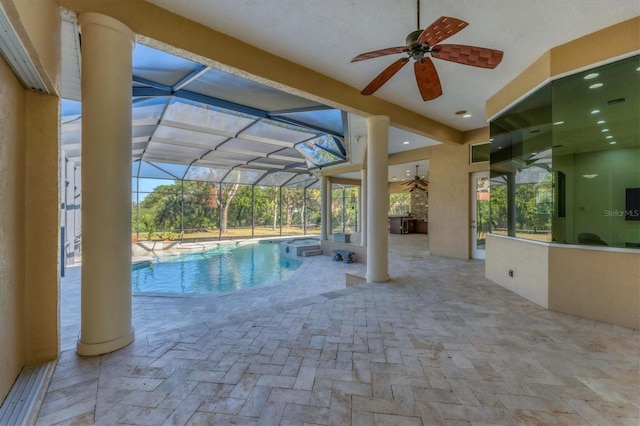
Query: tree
[[229, 194]]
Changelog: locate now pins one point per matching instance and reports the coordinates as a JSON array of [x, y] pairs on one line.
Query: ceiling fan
[[417, 183], [421, 44]]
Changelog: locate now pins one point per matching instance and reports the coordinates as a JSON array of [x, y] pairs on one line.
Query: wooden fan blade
[[427, 79], [441, 29], [384, 76], [468, 55], [381, 52]]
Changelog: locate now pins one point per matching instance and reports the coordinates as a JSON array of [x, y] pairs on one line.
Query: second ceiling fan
[[421, 44], [417, 183]]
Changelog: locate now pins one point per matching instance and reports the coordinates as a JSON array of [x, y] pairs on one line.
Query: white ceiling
[[325, 34]]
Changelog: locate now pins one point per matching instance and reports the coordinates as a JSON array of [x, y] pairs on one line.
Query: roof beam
[[219, 50]]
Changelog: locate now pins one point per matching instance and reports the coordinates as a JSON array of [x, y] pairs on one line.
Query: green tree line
[[196, 206]]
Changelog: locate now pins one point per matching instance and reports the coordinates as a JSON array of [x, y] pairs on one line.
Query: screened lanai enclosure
[[217, 156]]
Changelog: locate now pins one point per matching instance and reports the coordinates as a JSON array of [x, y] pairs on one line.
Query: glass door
[[479, 213]]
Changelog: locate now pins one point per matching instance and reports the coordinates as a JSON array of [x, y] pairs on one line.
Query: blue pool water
[[221, 270]]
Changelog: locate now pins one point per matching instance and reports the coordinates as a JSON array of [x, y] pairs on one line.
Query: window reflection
[[564, 159]]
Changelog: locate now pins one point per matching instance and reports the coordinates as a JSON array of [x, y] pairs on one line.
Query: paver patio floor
[[438, 344]]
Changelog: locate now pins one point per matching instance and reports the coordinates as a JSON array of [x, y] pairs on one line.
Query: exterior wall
[[450, 199], [529, 262], [41, 232], [593, 283], [596, 283], [29, 251], [590, 282], [12, 260]]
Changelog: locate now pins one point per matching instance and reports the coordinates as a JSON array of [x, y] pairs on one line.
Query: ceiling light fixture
[[609, 137], [406, 143], [558, 122], [596, 86], [612, 143], [604, 130], [466, 116], [591, 76], [595, 111], [601, 122]]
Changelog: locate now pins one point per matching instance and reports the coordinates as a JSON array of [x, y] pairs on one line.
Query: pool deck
[[438, 344]]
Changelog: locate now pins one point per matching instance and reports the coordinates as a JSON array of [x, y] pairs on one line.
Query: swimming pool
[[221, 270]]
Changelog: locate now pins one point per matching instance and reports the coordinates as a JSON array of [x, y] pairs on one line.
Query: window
[[563, 158], [479, 153]]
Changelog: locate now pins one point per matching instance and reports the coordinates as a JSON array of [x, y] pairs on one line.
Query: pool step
[[312, 251]]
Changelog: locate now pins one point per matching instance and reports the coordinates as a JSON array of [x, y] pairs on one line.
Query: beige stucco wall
[[12, 156], [41, 233], [592, 283], [529, 262], [596, 283], [29, 187], [450, 198]]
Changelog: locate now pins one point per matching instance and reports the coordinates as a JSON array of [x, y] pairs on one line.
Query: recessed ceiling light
[[596, 86], [595, 111], [466, 116], [534, 153], [604, 130], [408, 171], [591, 176], [601, 122], [638, 69], [612, 143], [406, 143], [609, 137], [590, 76], [558, 122]]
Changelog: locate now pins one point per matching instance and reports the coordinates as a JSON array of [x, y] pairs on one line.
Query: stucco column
[[363, 207], [106, 185], [377, 198], [323, 207]]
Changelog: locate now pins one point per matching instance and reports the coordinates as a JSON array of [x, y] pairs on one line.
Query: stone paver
[[439, 344]]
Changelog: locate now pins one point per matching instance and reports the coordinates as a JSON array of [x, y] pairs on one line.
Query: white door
[[479, 213]]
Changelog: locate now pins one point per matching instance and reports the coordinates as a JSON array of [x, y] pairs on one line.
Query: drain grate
[[27, 393]]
